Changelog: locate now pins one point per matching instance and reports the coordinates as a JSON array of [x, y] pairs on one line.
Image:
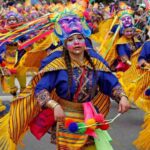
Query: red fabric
[[3, 64], [122, 66], [13, 71], [40, 124]]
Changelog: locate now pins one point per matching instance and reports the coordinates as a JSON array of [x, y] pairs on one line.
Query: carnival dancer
[[10, 56], [76, 75], [122, 50], [137, 78], [73, 92], [142, 141]]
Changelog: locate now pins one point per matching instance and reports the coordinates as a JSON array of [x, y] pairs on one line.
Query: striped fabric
[[59, 64], [65, 139], [102, 103], [22, 111]]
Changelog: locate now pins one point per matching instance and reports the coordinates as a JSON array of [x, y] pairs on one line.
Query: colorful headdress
[[33, 14], [11, 13], [69, 25], [126, 18], [20, 17], [70, 21], [125, 12]]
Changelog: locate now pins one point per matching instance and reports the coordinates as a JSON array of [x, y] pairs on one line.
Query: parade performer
[[137, 78], [9, 56], [68, 79], [142, 141], [122, 50]]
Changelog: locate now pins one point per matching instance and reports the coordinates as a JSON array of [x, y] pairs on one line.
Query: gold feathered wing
[[6, 143], [15, 123]]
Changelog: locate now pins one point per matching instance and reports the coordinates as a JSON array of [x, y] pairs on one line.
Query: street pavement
[[123, 131]]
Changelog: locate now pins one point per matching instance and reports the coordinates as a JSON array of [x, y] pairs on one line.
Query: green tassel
[[103, 140]]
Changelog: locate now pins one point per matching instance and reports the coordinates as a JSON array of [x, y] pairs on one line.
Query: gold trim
[[59, 64]]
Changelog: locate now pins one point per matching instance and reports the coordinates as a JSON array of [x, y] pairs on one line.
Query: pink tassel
[[89, 118]]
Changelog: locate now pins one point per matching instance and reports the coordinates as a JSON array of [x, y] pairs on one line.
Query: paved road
[[123, 131]]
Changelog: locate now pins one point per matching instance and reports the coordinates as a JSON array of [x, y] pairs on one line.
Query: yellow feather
[[6, 143]]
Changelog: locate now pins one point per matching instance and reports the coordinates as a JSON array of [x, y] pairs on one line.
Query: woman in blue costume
[[127, 44], [77, 78], [67, 79]]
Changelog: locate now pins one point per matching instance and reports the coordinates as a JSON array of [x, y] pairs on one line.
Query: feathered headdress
[[126, 18], [70, 21], [69, 25], [11, 13], [128, 12]]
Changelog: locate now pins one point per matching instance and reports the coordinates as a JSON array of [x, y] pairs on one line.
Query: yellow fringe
[[6, 142], [143, 140]]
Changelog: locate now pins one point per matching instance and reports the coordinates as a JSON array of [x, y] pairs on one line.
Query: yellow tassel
[[143, 140]]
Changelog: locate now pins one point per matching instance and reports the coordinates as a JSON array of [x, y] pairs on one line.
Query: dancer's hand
[[142, 63], [124, 105], [59, 113]]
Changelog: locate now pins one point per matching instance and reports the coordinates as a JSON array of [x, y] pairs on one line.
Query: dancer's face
[[129, 33], [76, 44], [12, 20]]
